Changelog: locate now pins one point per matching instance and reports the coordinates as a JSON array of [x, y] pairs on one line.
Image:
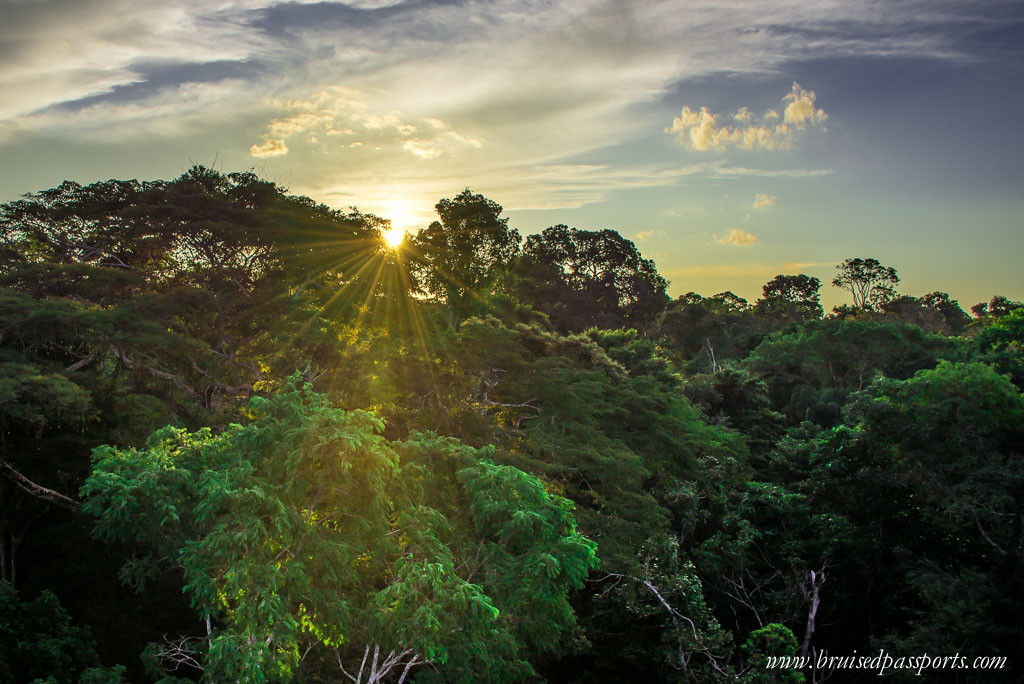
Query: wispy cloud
[[718, 169], [763, 200]]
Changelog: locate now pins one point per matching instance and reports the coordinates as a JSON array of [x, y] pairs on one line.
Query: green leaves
[[305, 531], [38, 639]]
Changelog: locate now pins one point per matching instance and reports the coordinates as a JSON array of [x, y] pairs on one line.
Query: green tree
[[997, 306], [935, 312], [800, 292], [584, 279], [1002, 344], [308, 543], [458, 258], [38, 640], [811, 371], [929, 472], [706, 332]]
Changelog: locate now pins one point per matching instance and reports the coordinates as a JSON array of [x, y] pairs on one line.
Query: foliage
[[585, 279], [305, 534], [812, 370], [935, 312], [39, 640], [1002, 344], [456, 258], [996, 307], [932, 466], [796, 293], [761, 481]]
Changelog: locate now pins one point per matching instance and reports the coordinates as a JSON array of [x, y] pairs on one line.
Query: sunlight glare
[[393, 237]]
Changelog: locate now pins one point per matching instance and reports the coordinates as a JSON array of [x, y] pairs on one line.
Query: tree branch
[[38, 491]]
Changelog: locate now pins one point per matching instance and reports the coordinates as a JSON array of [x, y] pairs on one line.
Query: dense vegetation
[[243, 440]]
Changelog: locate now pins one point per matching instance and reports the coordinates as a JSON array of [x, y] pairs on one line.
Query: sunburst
[[394, 237]]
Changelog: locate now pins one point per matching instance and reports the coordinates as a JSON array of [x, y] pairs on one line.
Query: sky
[[731, 141]]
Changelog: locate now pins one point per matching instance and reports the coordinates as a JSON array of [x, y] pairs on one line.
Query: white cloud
[[737, 237], [700, 130], [643, 235], [763, 200]]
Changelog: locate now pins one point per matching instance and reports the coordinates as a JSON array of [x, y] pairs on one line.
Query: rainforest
[[247, 437]]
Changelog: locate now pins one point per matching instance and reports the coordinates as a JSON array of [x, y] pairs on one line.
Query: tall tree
[[869, 282], [590, 278], [457, 258], [799, 293]]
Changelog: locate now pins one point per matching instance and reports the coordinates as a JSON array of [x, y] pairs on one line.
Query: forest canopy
[[244, 437]]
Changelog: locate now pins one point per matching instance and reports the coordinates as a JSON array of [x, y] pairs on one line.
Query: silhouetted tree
[[870, 283], [791, 293], [997, 306], [934, 312], [457, 258], [585, 278]]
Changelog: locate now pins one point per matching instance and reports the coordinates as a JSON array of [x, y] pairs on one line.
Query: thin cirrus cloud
[[719, 169], [702, 131], [737, 237]]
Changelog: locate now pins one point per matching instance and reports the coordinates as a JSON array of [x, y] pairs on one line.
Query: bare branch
[[38, 491]]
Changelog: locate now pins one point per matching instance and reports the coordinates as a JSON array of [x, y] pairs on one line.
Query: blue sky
[[731, 141]]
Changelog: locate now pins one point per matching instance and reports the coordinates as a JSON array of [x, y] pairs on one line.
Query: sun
[[393, 237]]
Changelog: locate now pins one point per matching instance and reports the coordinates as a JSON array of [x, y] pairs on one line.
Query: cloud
[[701, 131], [736, 237], [719, 170], [271, 147], [763, 200], [606, 55], [643, 235], [341, 112], [800, 111], [570, 81]]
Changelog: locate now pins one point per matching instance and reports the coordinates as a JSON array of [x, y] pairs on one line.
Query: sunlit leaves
[[306, 529]]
